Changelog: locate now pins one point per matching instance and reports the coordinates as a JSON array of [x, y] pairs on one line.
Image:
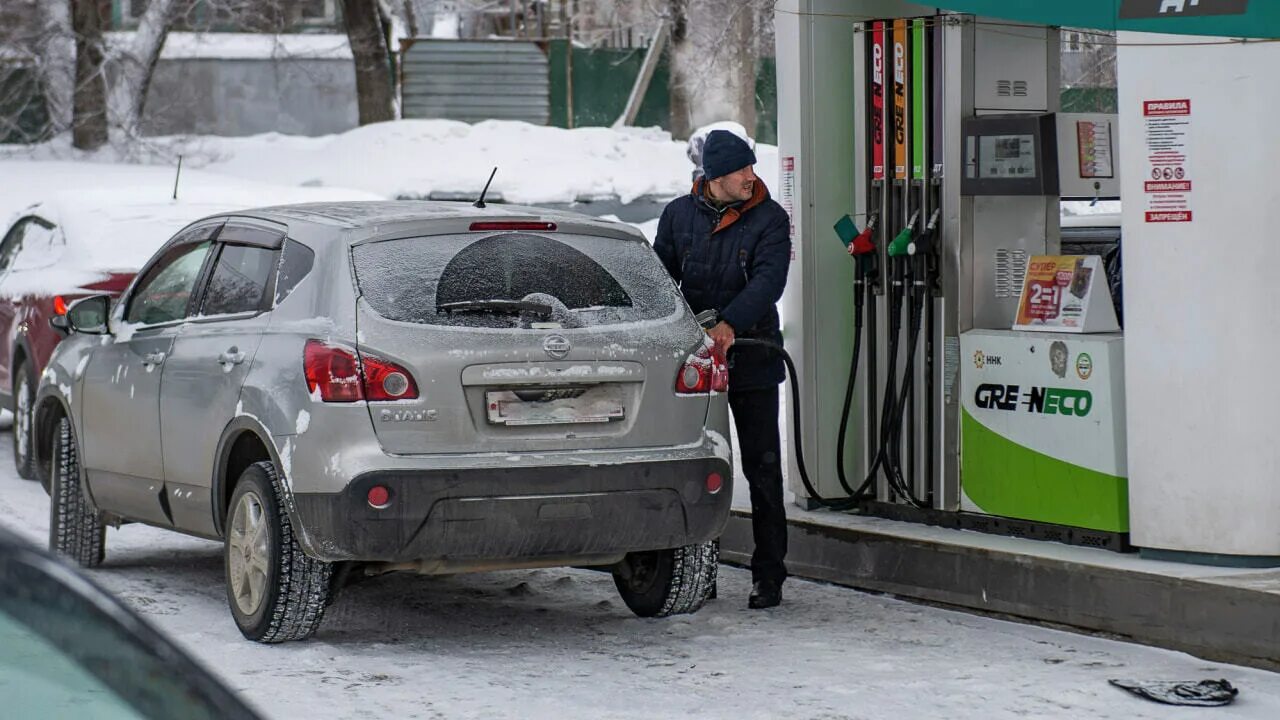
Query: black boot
[[764, 594]]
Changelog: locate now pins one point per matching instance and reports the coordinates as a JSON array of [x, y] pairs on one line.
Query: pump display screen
[[1010, 155], [1007, 156]]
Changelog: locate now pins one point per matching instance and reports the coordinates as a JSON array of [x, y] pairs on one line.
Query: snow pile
[[415, 158]]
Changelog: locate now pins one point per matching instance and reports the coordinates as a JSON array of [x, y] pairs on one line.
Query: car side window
[[40, 246], [16, 237], [239, 280], [164, 293]]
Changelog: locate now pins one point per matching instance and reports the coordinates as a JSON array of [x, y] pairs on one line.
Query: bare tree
[[134, 63], [367, 33], [1088, 58], [713, 63], [89, 111]]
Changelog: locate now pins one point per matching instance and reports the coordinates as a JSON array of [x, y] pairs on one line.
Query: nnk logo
[[1038, 400], [1140, 9], [981, 360]]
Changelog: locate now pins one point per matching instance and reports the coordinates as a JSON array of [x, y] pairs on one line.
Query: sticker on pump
[[877, 100]]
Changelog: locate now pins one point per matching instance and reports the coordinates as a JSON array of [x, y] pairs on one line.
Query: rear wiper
[[512, 307]]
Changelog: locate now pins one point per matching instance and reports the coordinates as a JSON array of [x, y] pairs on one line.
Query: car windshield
[[62, 655], [514, 280]]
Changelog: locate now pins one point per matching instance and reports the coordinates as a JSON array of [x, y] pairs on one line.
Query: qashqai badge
[[557, 346]]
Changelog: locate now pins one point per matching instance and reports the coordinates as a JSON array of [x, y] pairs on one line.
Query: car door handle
[[153, 358], [231, 357]]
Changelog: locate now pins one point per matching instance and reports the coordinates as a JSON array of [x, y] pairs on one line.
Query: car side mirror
[[88, 316]]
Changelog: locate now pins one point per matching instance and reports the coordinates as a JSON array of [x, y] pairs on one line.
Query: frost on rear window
[[585, 281]]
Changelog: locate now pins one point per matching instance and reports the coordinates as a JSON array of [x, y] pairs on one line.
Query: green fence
[[601, 81], [1089, 100]]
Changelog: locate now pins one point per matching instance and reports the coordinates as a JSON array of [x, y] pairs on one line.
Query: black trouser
[[755, 415]]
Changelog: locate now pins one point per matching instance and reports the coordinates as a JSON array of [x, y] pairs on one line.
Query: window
[[587, 281], [239, 280], [132, 10], [295, 264], [316, 9], [164, 293]]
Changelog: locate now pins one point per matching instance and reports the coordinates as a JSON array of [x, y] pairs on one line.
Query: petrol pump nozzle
[[923, 243], [859, 244], [900, 244], [863, 244]]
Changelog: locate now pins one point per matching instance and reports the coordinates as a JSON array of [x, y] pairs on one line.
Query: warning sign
[[1167, 188], [787, 193]]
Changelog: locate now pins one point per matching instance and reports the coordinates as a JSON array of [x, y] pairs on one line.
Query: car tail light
[[491, 225], [385, 380], [332, 371], [59, 305], [704, 372], [339, 374], [714, 483]]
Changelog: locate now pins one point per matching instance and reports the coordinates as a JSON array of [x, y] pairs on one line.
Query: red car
[[93, 242]]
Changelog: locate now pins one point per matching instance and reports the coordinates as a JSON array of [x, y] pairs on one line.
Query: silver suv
[[367, 387]]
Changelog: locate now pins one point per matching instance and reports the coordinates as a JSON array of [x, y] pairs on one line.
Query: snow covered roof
[[248, 46]]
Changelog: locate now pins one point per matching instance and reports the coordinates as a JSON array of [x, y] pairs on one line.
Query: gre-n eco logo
[[1037, 400]]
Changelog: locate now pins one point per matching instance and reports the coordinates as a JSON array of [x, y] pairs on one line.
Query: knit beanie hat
[[724, 153]]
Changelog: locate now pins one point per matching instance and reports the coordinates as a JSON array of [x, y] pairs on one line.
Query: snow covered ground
[[414, 158], [560, 644]]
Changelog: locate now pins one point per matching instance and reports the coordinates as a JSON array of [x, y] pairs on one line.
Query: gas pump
[[956, 182]]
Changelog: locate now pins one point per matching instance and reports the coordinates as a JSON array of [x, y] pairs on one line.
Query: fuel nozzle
[[921, 251], [923, 243], [859, 244], [901, 243]]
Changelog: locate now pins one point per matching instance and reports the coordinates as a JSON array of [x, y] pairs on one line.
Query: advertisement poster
[[1095, 156], [1065, 293]]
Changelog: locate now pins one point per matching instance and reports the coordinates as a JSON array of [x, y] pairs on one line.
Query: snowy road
[[559, 644]]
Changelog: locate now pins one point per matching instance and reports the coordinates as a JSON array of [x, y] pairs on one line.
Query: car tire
[[275, 591], [660, 583], [24, 394], [76, 530]]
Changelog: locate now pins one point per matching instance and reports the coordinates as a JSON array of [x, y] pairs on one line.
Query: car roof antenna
[[177, 177], [480, 203]]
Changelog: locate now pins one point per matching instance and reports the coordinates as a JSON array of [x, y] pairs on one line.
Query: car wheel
[[668, 582], [23, 402], [76, 530], [276, 592]]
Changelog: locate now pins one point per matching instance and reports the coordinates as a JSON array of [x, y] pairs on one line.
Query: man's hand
[[722, 336]]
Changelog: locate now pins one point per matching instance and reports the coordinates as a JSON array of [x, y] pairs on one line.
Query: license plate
[[555, 406]]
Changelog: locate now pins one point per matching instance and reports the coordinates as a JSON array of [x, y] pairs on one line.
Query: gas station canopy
[[1227, 18]]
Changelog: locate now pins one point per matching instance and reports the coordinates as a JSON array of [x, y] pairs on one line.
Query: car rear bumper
[[487, 517]]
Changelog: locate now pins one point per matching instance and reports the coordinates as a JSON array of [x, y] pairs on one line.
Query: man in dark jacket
[[728, 246]]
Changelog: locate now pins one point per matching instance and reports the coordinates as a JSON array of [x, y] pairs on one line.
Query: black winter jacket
[[734, 260]]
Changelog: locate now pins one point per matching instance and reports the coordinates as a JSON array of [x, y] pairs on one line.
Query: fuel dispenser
[[956, 190]]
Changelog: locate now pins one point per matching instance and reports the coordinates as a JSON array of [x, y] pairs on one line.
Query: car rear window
[[586, 281]]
